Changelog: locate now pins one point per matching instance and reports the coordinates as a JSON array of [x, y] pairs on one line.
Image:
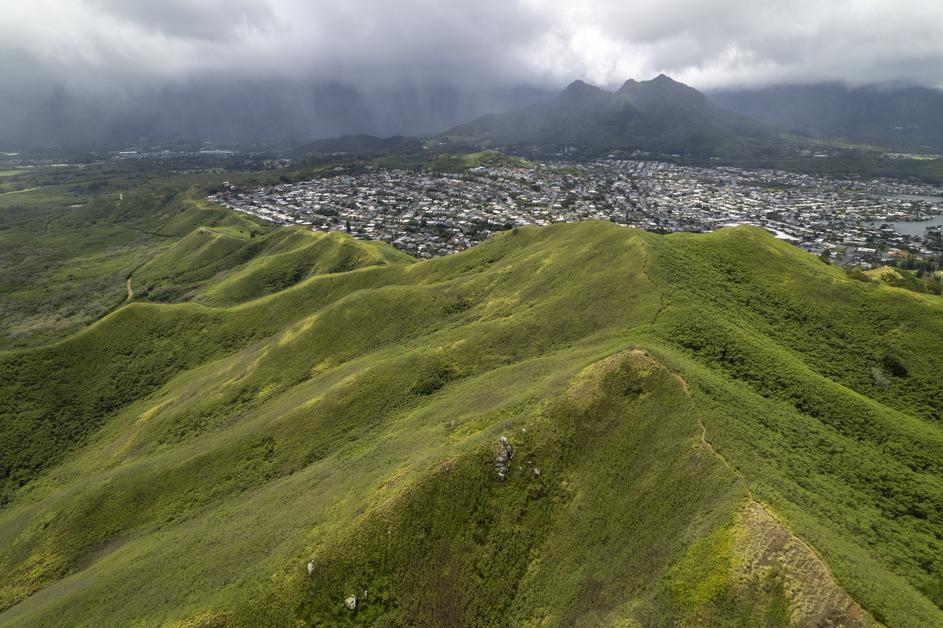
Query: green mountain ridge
[[698, 438], [660, 115], [218, 267]]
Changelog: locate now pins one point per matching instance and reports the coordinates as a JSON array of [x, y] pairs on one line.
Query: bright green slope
[[223, 266], [685, 410]]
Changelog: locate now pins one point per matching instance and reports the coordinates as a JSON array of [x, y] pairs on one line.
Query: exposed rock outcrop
[[502, 463]]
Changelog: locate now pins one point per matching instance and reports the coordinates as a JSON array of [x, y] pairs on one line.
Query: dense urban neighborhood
[[854, 221]]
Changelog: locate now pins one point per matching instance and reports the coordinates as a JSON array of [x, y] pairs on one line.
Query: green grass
[[56, 277], [65, 256], [930, 283], [220, 266], [327, 400], [702, 574], [449, 162]]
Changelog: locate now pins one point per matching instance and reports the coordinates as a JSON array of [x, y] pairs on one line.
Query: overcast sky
[[105, 45]]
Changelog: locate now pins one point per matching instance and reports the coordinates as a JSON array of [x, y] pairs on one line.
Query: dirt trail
[[130, 290], [707, 443], [818, 598]]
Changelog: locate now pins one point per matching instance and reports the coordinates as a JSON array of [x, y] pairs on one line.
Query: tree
[[347, 225], [935, 241], [826, 256]]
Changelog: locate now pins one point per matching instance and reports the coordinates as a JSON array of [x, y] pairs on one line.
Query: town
[[855, 222]]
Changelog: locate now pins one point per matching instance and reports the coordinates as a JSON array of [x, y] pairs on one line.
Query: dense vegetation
[[303, 417]]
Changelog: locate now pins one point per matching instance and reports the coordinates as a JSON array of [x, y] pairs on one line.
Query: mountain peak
[[665, 82], [582, 92], [663, 89], [662, 81], [578, 86], [660, 115]]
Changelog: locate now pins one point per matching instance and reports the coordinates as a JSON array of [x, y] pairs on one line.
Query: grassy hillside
[[488, 158], [225, 266], [706, 429], [66, 255]]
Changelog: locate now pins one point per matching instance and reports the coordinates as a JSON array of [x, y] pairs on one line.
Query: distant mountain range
[[909, 118], [659, 115]]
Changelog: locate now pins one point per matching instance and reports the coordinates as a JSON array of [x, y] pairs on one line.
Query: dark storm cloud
[[118, 44], [189, 19]]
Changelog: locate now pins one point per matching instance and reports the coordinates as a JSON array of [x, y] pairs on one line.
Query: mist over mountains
[[246, 113], [661, 115], [109, 72], [907, 117]]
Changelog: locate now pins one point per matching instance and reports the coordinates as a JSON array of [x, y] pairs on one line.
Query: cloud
[[213, 20], [121, 46], [731, 43]]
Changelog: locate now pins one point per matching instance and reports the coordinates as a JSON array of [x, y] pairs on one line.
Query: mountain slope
[[690, 416], [904, 117], [220, 267], [659, 115], [67, 249]]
